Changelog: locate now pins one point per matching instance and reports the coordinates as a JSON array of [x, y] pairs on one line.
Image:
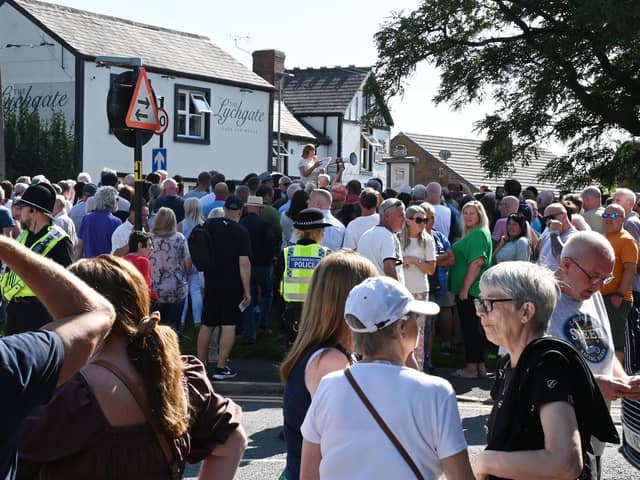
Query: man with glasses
[[558, 231], [381, 244], [617, 294], [580, 315]]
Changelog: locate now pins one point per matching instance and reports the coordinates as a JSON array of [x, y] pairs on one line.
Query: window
[[370, 148], [284, 155], [192, 113], [371, 140]]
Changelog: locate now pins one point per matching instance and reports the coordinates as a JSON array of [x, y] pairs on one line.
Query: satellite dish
[[353, 159], [444, 155]]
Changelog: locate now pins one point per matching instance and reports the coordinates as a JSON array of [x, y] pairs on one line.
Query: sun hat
[[310, 218], [378, 302]]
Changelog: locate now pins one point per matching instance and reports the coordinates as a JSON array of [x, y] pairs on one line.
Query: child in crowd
[[140, 246]]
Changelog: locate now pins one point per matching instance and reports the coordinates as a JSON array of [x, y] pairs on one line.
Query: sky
[[311, 34]]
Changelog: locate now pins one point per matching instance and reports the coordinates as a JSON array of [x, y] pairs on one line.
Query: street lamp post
[[280, 82]]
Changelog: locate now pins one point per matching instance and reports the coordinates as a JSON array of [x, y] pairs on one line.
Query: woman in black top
[[546, 402]]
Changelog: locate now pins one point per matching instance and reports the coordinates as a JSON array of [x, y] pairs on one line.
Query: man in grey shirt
[[580, 317]]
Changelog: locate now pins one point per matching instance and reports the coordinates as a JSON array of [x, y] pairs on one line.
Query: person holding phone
[[227, 284]]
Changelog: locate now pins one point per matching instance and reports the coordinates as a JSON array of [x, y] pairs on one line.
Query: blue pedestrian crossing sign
[[158, 159]]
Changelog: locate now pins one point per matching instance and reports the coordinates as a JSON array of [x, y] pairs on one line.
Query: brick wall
[[429, 168], [267, 63]]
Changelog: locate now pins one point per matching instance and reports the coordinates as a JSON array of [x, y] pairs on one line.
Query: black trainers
[[223, 373]]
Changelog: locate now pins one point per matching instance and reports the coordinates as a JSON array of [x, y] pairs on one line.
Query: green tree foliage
[[564, 70], [35, 146]]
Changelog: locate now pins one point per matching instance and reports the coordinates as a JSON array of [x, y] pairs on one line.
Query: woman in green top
[[473, 254]]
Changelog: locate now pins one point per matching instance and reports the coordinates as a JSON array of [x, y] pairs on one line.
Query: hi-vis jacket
[[11, 285], [299, 262]]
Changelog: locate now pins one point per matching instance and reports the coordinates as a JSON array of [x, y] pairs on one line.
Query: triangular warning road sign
[[142, 109]]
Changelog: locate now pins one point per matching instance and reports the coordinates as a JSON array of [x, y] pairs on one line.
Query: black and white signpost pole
[[133, 116]]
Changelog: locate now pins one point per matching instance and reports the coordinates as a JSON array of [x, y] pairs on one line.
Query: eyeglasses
[[419, 220], [612, 216], [593, 279], [485, 305], [551, 217]]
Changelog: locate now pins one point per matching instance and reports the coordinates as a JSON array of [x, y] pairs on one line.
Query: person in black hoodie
[[547, 405]]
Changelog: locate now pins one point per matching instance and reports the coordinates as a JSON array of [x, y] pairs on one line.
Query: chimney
[[267, 63]]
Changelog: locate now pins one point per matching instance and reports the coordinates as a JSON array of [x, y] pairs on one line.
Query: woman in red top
[[140, 246]]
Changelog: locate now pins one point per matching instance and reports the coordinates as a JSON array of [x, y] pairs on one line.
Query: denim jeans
[[261, 277], [195, 292]]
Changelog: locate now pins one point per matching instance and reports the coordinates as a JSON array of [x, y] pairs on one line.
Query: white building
[[331, 104], [48, 60]]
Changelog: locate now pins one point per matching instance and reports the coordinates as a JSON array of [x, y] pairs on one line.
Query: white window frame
[[372, 140], [198, 101]]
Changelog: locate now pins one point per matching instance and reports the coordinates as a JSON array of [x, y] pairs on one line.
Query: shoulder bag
[[385, 428], [134, 389]]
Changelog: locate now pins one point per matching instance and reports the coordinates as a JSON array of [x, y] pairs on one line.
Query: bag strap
[[136, 393], [385, 428]]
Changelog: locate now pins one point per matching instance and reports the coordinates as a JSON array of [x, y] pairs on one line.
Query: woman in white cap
[[417, 434]]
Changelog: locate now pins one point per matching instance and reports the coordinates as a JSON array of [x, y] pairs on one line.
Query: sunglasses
[[419, 220], [612, 216]]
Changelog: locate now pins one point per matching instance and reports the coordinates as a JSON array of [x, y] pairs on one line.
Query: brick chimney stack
[[267, 63]]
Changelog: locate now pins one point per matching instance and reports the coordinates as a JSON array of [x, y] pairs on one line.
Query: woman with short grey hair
[[97, 226], [106, 199], [546, 402]]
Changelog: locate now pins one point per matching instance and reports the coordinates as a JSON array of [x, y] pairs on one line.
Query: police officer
[[296, 264], [24, 310]]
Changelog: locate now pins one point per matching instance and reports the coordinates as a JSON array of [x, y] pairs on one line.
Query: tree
[[36, 146], [564, 70]]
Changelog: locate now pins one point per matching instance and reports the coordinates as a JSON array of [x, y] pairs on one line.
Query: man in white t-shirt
[[580, 316], [381, 245], [120, 236], [558, 226], [367, 220]]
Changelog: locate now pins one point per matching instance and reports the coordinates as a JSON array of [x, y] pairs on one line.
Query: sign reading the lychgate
[[44, 97], [238, 115]]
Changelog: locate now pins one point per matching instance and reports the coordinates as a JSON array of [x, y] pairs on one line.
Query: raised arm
[[82, 317]]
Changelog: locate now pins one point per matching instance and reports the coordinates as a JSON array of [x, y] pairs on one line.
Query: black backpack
[[201, 248]]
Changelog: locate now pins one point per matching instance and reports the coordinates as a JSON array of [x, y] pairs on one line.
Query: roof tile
[[323, 90], [92, 34], [465, 160]]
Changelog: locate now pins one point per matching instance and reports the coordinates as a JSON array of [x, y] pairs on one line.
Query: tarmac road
[[264, 458]]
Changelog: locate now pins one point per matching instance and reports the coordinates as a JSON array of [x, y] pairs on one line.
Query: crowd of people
[[361, 281]]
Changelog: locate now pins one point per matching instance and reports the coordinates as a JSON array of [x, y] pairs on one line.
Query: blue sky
[[312, 34]]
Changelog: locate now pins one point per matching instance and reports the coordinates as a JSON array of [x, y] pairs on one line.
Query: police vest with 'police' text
[[299, 262]]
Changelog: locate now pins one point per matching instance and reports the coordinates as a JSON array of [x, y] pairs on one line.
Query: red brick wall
[[429, 168], [267, 63]]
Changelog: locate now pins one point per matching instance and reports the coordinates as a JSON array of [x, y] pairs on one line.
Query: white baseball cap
[[378, 302]]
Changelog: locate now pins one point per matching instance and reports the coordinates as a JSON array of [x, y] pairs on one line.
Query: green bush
[[36, 146]]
